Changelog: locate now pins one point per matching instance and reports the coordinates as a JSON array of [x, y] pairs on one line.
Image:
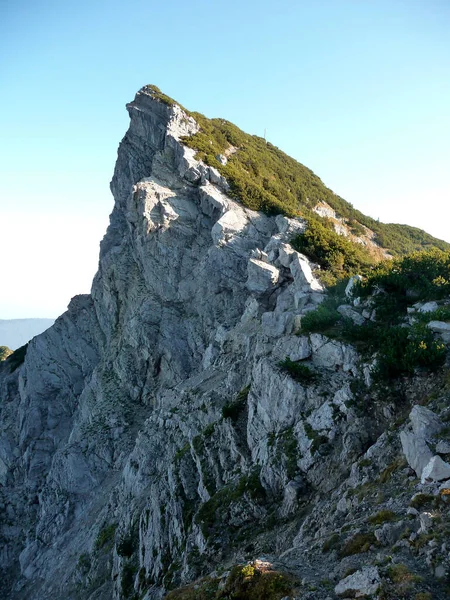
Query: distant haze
[[17, 332]]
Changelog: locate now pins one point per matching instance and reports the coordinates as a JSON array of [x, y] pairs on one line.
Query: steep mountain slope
[[173, 422]]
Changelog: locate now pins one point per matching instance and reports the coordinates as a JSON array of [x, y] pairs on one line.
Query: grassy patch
[[243, 582], [17, 358], [319, 320], [383, 516], [422, 500], [357, 544], [297, 371], [335, 253], [400, 574], [5, 352], [232, 410], [332, 543], [105, 536], [211, 513]]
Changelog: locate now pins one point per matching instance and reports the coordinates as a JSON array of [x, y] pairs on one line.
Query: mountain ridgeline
[[211, 422], [263, 177]]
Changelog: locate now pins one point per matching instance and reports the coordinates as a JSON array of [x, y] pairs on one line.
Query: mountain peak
[[206, 417]]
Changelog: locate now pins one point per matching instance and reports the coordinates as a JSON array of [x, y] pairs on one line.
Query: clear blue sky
[[357, 90]]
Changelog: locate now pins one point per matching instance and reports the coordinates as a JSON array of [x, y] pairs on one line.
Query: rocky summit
[[186, 431]]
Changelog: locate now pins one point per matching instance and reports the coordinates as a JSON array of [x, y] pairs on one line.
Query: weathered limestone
[[351, 285], [435, 470], [262, 277], [416, 451], [424, 425], [364, 582], [302, 273], [440, 327], [350, 313]]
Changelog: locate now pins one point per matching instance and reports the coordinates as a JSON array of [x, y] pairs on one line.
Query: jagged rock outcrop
[[155, 431]]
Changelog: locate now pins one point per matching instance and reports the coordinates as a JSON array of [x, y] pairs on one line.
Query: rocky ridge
[[156, 433]]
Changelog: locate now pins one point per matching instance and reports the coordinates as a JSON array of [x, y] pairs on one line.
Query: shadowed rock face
[[150, 434]]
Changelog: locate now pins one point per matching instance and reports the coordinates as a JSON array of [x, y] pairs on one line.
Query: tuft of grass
[[17, 358], [332, 543], [383, 516], [357, 544], [232, 410], [297, 371], [5, 352], [422, 500], [105, 536], [247, 582], [401, 575], [387, 473], [320, 319]]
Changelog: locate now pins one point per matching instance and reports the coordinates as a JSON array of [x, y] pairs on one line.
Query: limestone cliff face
[[150, 434]]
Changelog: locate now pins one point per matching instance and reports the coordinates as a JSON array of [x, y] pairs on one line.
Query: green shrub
[[17, 358], [232, 410], [402, 281], [243, 583], [106, 536], [320, 319], [383, 516], [297, 371], [440, 314], [359, 543], [421, 500], [402, 349], [5, 352], [127, 545], [333, 252], [331, 543]]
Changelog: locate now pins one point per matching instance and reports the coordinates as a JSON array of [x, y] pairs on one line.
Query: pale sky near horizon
[[357, 90]]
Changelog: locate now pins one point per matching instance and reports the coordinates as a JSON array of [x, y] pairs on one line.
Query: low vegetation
[[5, 352], [105, 537], [390, 289], [17, 358], [361, 542], [232, 410], [211, 513], [297, 371], [248, 582], [383, 516], [337, 255], [398, 283]]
